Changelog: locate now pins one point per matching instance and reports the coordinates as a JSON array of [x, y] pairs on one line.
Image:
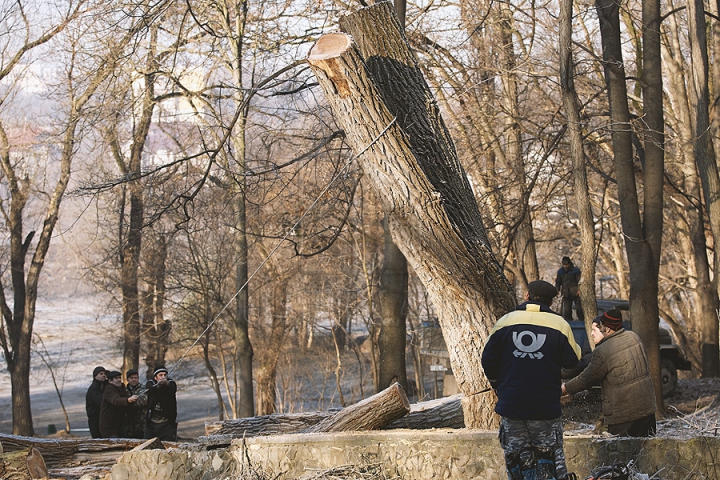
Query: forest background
[[181, 157]]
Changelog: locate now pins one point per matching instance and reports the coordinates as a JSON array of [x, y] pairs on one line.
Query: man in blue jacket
[[522, 359]]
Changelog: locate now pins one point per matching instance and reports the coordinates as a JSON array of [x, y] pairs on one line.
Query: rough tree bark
[[643, 234], [156, 328], [406, 152], [445, 412], [392, 293], [715, 10], [372, 413], [705, 160], [267, 370], [132, 243], [704, 301], [577, 151], [393, 298], [70, 452], [523, 238]]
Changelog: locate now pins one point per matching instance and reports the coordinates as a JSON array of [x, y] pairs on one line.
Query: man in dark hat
[[93, 400], [522, 359], [162, 407], [135, 425], [619, 364], [567, 282]]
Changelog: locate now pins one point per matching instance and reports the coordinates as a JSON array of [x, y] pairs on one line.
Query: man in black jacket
[[93, 400], [115, 403], [162, 407], [522, 359], [567, 282]]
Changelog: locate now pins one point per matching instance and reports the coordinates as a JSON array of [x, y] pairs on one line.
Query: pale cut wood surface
[[372, 413]]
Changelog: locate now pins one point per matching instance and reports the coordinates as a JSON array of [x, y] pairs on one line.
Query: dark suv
[[672, 357]]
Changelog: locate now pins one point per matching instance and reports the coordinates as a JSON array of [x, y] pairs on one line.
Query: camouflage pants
[[533, 449]]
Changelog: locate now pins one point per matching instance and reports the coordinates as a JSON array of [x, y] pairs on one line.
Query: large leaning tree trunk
[[393, 124]]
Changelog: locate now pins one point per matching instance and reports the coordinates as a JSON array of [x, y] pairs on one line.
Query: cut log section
[[445, 412], [370, 414], [59, 453], [25, 464], [263, 425]]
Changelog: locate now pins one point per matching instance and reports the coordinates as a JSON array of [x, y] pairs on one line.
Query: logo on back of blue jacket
[[531, 350]]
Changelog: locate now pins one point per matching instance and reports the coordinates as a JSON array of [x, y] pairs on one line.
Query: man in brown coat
[[114, 407], [619, 364]]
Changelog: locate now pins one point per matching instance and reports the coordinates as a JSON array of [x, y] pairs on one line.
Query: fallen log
[[59, 453], [89, 471], [25, 464], [445, 412], [262, 425], [370, 414]]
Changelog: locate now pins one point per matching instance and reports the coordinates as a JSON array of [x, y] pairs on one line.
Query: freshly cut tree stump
[[71, 452], [22, 464], [372, 413]]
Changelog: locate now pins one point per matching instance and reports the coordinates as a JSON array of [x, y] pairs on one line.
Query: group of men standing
[[116, 410], [524, 358]]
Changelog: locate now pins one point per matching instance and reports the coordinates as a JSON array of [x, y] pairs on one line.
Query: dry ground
[[583, 410]]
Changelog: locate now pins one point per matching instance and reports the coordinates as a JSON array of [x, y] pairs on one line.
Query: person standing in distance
[[93, 400], [162, 407], [523, 358], [568, 283], [619, 364]]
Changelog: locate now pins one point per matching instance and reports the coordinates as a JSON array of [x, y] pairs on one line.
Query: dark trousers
[[642, 427], [94, 424], [164, 431], [567, 308]]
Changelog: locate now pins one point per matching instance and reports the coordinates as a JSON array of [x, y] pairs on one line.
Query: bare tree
[[83, 82], [704, 159], [577, 152], [643, 232]]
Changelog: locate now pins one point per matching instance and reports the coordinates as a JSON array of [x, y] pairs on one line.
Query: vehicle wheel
[[668, 376]]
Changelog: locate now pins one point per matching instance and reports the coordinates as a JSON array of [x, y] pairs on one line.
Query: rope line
[[280, 242]]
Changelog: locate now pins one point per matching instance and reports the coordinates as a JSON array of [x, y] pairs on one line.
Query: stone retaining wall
[[415, 455]]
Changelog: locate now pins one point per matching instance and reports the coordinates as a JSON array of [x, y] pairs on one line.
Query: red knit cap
[[611, 319]]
